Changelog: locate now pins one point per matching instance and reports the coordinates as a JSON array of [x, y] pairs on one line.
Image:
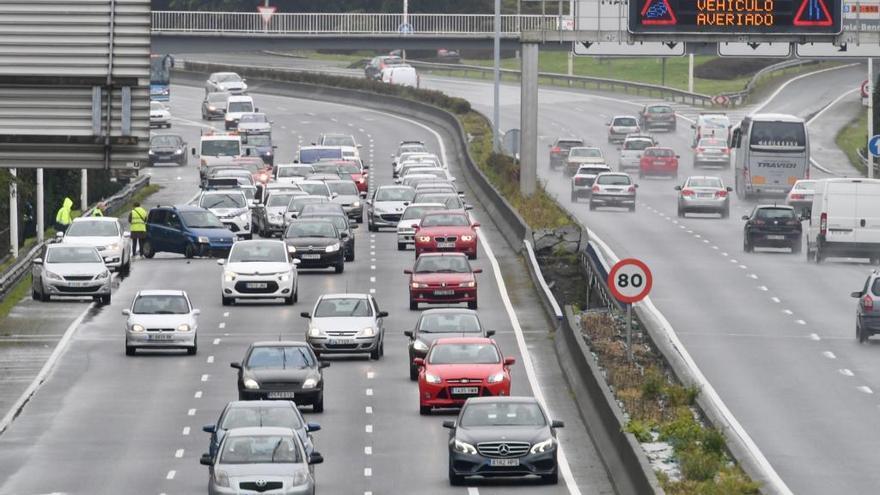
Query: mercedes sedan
[[282, 370]]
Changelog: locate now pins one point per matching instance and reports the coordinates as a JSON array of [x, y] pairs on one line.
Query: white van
[[236, 106], [845, 220], [401, 75]]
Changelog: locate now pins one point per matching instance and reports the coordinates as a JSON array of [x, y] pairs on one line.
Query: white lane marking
[[753, 276], [371, 375], [372, 253], [776, 299], [372, 280], [368, 428], [473, 490], [368, 472], [191, 412], [743, 267], [185, 431], [368, 410], [369, 392], [226, 314], [829, 355], [204, 378], [786, 83], [372, 267], [788, 312], [814, 336], [763, 288], [723, 254], [170, 475], [216, 341], [372, 291], [179, 453], [197, 395], [846, 372], [222, 325], [210, 359], [800, 322], [368, 450], [865, 389]]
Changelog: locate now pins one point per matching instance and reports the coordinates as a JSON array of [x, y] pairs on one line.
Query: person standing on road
[[62, 218], [138, 220]]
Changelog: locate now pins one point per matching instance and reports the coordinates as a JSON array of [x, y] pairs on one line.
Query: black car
[[214, 105], [441, 323], [248, 413], [167, 148], [259, 145], [282, 370], [502, 436], [316, 244], [560, 148], [772, 226], [343, 224]]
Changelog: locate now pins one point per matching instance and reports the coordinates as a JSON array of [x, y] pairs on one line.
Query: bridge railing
[[348, 23]]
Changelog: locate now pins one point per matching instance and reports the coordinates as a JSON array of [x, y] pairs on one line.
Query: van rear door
[[868, 212], [840, 206]]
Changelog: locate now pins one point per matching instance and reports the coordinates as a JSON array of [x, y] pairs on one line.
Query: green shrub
[[678, 395], [653, 385], [698, 465], [640, 429], [683, 430], [713, 441]]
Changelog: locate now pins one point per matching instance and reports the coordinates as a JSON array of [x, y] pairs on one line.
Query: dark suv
[[658, 115], [868, 310], [772, 226], [187, 230], [560, 148]]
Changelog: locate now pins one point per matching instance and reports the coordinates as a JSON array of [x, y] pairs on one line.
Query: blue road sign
[[874, 145]]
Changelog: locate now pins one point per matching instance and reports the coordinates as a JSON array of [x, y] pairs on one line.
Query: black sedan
[[500, 437], [343, 224], [282, 370], [214, 105], [248, 413], [772, 226], [167, 148], [441, 323], [316, 244]]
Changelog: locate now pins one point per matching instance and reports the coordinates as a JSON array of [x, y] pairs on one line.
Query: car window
[[659, 152], [705, 182], [343, 307], [157, 217], [262, 140], [875, 288], [280, 357], [250, 416], [173, 221], [239, 106], [338, 141], [311, 229], [166, 140], [223, 147], [613, 180], [449, 323], [442, 264], [624, 122], [258, 252], [435, 220], [93, 229], [228, 77], [464, 354], [712, 143], [222, 200], [160, 305], [254, 118], [637, 144], [345, 188], [775, 213], [586, 152], [569, 144], [659, 109], [395, 194], [807, 185], [73, 254], [279, 199], [155, 105], [295, 171], [418, 211], [201, 220], [502, 414], [298, 202], [313, 155], [316, 189], [260, 449]]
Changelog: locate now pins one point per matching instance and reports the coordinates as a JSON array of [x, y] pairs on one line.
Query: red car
[[439, 278], [659, 161], [457, 369], [446, 230], [357, 174], [260, 171]]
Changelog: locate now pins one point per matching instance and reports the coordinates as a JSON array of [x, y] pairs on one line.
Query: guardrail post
[[528, 172]]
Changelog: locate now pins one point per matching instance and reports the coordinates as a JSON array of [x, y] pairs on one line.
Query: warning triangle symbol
[[813, 13], [658, 13]]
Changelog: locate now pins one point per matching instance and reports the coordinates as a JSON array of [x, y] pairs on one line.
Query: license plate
[[257, 285], [340, 342], [281, 395], [613, 190], [79, 284], [776, 237], [444, 292], [311, 256], [659, 162], [704, 195], [161, 337], [445, 245], [465, 390], [504, 462]]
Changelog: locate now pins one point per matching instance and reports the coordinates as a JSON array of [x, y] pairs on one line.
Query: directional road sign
[[874, 145], [638, 49], [630, 280], [751, 50]]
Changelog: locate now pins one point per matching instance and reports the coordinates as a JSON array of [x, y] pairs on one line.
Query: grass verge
[[19, 292], [853, 137]]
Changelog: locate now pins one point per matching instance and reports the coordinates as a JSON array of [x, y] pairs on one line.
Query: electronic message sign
[[735, 17]]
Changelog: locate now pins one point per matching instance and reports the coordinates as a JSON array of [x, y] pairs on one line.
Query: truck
[[771, 153]]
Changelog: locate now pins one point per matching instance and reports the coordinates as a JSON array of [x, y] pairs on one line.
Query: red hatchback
[[439, 278], [457, 369], [445, 230], [659, 161], [358, 175]]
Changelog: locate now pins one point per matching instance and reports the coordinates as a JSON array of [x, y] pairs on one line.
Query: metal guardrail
[[739, 97], [864, 160], [18, 270]]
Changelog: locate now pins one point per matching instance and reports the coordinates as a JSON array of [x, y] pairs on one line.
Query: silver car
[[105, 234], [711, 151], [348, 196], [228, 82], [613, 189], [868, 310], [801, 196], [387, 205], [621, 126], [261, 459], [161, 319], [346, 324], [412, 217], [69, 270], [703, 195]]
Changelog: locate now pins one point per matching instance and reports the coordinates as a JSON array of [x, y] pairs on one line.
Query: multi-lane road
[[107, 423]]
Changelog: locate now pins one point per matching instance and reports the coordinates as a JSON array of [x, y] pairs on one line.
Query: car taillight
[[555, 150], [797, 196], [596, 189], [721, 194], [687, 192], [868, 302], [759, 222], [823, 223], [631, 189], [726, 151], [700, 150]]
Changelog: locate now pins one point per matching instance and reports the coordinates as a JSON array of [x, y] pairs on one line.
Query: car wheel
[[551, 479], [472, 304], [194, 349], [747, 246], [861, 335], [413, 305], [796, 246], [350, 256], [130, 351], [339, 267], [725, 213], [44, 296], [125, 269], [376, 353], [105, 300], [147, 249], [681, 212], [296, 293], [288, 301], [413, 371], [227, 301], [189, 251], [424, 410], [401, 246], [34, 295], [592, 206], [820, 256], [318, 405], [455, 479]]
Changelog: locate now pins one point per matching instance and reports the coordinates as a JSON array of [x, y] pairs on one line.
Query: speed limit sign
[[630, 280]]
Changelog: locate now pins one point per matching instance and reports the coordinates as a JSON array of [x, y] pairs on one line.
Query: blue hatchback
[[187, 230]]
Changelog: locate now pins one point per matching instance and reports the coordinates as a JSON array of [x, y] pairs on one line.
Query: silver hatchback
[[613, 189], [70, 270], [346, 324], [868, 310]]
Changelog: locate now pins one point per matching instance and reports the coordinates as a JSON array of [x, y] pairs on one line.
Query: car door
[[176, 233], [867, 222], [156, 229], [380, 322]]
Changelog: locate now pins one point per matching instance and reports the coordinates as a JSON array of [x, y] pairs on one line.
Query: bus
[[160, 76], [771, 153]]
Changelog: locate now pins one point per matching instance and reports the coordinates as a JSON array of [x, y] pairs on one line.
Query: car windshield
[[160, 305], [280, 358], [295, 171], [73, 254], [316, 189], [343, 307], [222, 200], [348, 168], [775, 214], [259, 118], [223, 147], [450, 200], [613, 180], [261, 140], [660, 109], [313, 155], [258, 252], [586, 152], [344, 188], [93, 229], [712, 143], [418, 211], [253, 415], [333, 140], [876, 287], [637, 144], [228, 77], [325, 168], [442, 264], [166, 140], [240, 107], [659, 152], [411, 148], [705, 182], [450, 219], [201, 220], [624, 122], [311, 229], [338, 221], [464, 354], [297, 203], [155, 106], [323, 207], [569, 144], [807, 185], [260, 449], [450, 323], [395, 194], [502, 414], [279, 199], [217, 97], [714, 121]]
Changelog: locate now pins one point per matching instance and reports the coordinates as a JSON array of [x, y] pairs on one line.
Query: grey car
[[348, 196], [261, 459], [346, 324], [161, 319], [703, 195], [386, 206], [70, 270], [868, 310], [251, 413], [441, 323]]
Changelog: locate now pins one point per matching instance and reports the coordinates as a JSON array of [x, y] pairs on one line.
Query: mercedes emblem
[[504, 449]]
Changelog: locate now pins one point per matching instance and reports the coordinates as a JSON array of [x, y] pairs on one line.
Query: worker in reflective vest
[[98, 211], [138, 220], [62, 218]]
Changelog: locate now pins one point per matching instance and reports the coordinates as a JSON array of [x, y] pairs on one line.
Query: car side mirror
[[196, 312], [636, 186], [409, 333], [209, 428], [206, 460], [305, 314], [490, 333], [693, 126], [856, 294], [678, 188], [59, 235], [343, 234], [221, 262], [313, 427], [677, 156], [126, 234], [406, 271], [468, 207], [557, 424], [235, 364], [729, 189], [126, 312], [316, 458], [193, 151], [745, 217], [450, 424], [383, 314], [509, 361], [419, 362], [323, 364], [476, 224], [478, 270], [38, 261]]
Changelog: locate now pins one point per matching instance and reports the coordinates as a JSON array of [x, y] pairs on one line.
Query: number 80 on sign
[[630, 280]]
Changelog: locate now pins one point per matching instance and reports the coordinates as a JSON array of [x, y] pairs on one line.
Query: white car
[[259, 269], [161, 319], [105, 234], [630, 153], [231, 206], [228, 82], [408, 147], [401, 75], [236, 106], [386, 206], [160, 116], [613, 189], [425, 159], [338, 140], [582, 180], [621, 126], [411, 218]]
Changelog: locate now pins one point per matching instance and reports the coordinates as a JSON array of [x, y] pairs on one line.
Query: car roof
[[94, 219], [478, 400], [233, 98], [279, 343], [464, 340], [622, 174], [448, 311], [350, 295], [260, 403], [396, 186], [704, 177], [443, 212], [161, 292], [774, 117], [421, 205], [771, 207], [658, 105], [623, 117], [432, 255], [251, 431]]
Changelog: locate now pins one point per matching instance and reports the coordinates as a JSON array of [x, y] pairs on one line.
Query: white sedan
[[159, 115], [259, 269]]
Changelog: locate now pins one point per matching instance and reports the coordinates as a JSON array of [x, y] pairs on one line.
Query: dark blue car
[[187, 230], [244, 414]]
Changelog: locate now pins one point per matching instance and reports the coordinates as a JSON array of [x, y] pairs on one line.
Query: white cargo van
[[401, 75], [845, 221]]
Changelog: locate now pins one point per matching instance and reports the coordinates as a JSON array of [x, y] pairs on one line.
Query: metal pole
[[41, 223], [870, 114], [570, 63], [629, 332], [528, 173], [690, 73], [405, 23], [663, 71], [13, 213], [84, 191], [496, 54]]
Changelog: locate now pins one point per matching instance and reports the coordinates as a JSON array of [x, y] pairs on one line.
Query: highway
[[106, 423]]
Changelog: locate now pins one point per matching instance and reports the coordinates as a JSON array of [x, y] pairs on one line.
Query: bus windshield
[[778, 136]]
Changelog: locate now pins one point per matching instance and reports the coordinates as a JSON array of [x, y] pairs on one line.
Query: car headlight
[[467, 238], [432, 378], [228, 117], [332, 248], [111, 247], [291, 249], [417, 285], [541, 447], [183, 327], [464, 447], [424, 238], [284, 277], [467, 284], [315, 332], [299, 478], [102, 275], [496, 378], [137, 328], [151, 152], [310, 383], [251, 384], [229, 276], [420, 346], [203, 240], [178, 152], [356, 204], [53, 276], [212, 108], [367, 332], [221, 478], [243, 215]]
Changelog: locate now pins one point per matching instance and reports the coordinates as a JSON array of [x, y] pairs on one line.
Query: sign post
[[266, 12], [630, 281]]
